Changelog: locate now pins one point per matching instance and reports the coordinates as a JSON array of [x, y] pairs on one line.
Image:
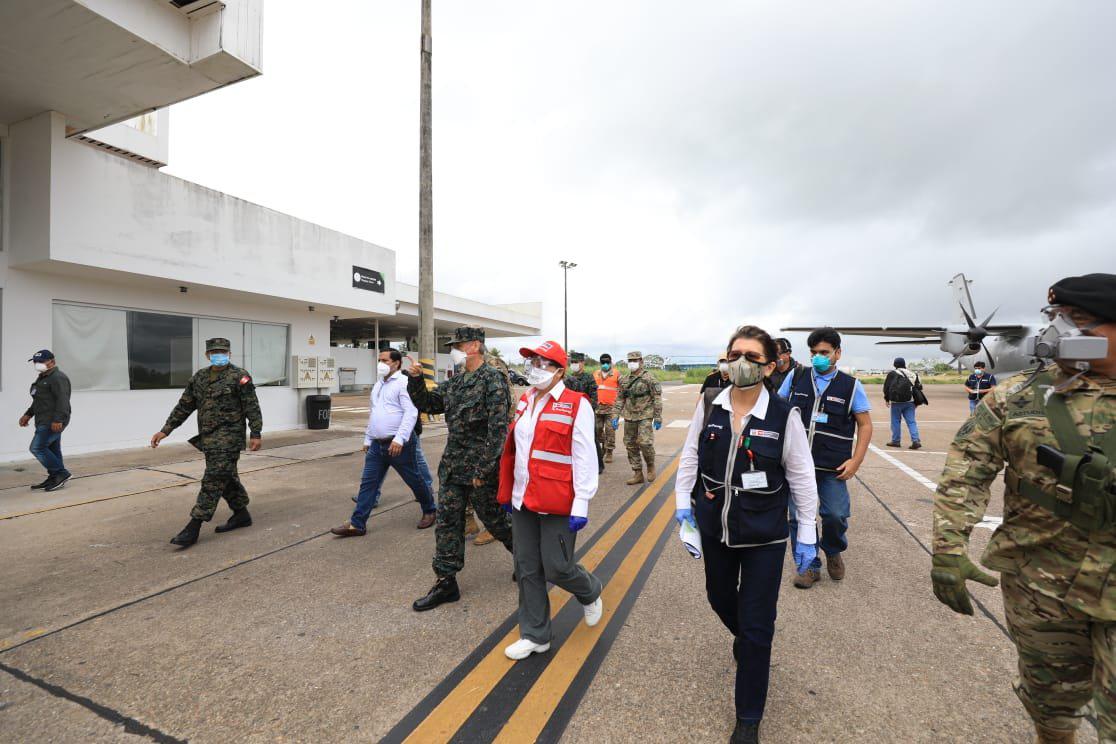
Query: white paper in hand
[[691, 538]]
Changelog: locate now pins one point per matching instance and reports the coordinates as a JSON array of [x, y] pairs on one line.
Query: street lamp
[[566, 266]]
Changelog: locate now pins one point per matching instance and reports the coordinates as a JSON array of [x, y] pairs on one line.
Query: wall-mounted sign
[[368, 279]]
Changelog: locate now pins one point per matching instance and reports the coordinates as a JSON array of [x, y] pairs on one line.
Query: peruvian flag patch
[[245, 379]]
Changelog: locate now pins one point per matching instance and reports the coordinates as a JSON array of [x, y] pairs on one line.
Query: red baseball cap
[[551, 350]]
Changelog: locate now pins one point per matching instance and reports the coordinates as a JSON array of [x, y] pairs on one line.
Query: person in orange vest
[[608, 380], [548, 474]]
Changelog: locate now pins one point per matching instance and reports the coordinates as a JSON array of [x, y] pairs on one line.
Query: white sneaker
[[593, 612], [523, 648]]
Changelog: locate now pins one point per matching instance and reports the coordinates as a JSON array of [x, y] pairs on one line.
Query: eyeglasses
[[751, 356], [540, 362], [1078, 317]]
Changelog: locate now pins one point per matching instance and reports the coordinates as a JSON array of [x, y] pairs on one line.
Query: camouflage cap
[[217, 344], [634, 356], [466, 333], [577, 356]]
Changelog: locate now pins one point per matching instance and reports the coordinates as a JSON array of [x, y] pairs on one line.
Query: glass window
[[91, 346], [159, 350], [267, 356], [233, 330]]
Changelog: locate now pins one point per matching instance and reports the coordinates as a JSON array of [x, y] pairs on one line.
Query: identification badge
[[753, 479], [821, 417]]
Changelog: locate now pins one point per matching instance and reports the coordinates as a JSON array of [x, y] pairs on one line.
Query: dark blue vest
[[833, 438], [751, 516]]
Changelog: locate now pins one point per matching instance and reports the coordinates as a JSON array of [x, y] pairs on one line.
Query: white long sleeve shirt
[[584, 450], [391, 414], [797, 462]]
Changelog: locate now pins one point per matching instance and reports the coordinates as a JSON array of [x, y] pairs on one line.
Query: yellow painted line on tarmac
[[536, 708], [24, 636], [450, 714]]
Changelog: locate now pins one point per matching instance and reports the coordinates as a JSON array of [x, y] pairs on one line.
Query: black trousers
[[743, 589]]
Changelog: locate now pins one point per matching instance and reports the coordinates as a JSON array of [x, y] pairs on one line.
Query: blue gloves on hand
[[507, 507], [615, 424], [657, 424], [684, 515], [577, 523], [804, 555]]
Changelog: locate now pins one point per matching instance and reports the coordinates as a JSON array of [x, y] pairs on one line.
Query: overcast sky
[[705, 164]]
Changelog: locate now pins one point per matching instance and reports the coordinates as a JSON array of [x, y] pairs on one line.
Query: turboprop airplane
[[1004, 352]]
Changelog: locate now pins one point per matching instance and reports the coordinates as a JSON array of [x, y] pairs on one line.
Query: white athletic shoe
[[523, 648], [593, 612]]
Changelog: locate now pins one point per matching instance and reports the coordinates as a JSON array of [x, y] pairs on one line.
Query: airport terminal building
[[124, 271]]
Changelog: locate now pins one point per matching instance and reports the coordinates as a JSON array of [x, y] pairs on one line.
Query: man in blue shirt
[[836, 413], [978, 385], [390, 441]]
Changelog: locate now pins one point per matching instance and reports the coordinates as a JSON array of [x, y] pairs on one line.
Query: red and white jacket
[[549, 464]]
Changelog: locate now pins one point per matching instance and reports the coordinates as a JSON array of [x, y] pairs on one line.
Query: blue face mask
[[605, 366], [218, 359], [821, 363]]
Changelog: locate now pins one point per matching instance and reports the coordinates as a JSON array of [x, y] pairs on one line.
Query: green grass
[[950, 379], [696, 376], [663, 375]]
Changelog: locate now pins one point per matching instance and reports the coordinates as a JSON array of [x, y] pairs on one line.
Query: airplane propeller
[[976, 334]]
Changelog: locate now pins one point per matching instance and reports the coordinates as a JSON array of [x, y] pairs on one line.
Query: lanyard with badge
[[819, 417], [751, 478]]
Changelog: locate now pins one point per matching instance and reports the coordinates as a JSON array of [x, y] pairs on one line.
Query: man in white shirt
[[390, 442]]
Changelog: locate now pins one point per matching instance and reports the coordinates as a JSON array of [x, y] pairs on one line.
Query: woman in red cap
[[548, 473]]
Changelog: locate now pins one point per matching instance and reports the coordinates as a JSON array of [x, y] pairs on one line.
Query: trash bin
[[317, 411]]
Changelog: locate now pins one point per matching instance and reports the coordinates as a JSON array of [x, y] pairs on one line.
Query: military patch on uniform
[[245, 379], [763, 433], [966, 429], [985, 419]]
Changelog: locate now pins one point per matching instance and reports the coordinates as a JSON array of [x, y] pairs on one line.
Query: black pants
[[743, 589]]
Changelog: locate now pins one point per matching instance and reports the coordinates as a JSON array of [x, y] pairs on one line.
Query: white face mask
[[723, 366], [40, 367], [382, 369], [576, 366], [539, 378], [457, 356], [633, 366]]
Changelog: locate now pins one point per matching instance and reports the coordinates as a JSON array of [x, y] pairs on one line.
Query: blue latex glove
[[507, 507], [615, 424], [657, 424], [684, 515], [578, 523], [804, 555]]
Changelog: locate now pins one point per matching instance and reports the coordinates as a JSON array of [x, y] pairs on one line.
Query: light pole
[[426, 205], [566, 266]]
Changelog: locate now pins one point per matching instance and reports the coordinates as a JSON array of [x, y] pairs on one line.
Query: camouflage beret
[[466, 333], [577, 356], [217, 344], [634, 356], [1094, 293]]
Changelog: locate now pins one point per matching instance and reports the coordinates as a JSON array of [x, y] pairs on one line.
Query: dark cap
[[1094, 293], [44, 355], [217, 344], [577, 356], [900, 362], [783, 345], [466, 333], [605, 358]]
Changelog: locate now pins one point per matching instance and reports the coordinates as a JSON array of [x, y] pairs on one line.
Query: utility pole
[[566, 266], [426, 206]]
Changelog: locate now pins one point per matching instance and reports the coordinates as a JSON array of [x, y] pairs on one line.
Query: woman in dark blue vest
[[745, 461]]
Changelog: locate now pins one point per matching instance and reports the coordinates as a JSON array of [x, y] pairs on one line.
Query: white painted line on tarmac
[[988, 523], [959, 421], [679, 424]]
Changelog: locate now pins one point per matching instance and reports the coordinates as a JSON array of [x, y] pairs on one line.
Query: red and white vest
[[550, 467]]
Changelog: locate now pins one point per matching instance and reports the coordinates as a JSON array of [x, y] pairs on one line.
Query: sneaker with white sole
[[524, 647], [593, 612]]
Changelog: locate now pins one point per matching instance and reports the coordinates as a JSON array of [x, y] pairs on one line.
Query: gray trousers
[[544, 551]]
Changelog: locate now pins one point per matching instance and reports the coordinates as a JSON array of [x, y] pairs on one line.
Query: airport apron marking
[[488, 695]]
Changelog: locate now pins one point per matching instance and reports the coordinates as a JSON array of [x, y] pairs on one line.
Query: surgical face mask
[[576, 366], [723, 367], [382, 369], [218, 359], [40, 367], [1063, 341], [821, 363], [633, 366], [538, 377], [457, 356], [605, 366], [745, 373]]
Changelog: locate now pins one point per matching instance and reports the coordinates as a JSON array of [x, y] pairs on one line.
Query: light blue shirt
[[860, 402], [392, 413]]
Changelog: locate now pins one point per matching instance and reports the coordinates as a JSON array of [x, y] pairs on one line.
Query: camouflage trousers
[[606, 435], [221, 480], [449, 530], [639, 439], [1067, 659]]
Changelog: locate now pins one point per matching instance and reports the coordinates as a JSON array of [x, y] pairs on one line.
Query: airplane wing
[[891, 332], [908, 342], [1011, 331]]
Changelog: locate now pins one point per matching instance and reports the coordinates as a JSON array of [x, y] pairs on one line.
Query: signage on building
[[368, 279]]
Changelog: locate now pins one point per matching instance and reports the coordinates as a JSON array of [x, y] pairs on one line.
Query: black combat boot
[[240, 518], [445, 590], [745, 733], [44, 484], [189, 534]]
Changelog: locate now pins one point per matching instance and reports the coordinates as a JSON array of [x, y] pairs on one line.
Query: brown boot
[[636, 479], [608, 457], [807, 579], [471, 527], [835, 565], [1047, 735], [484, 538], [650, 470]]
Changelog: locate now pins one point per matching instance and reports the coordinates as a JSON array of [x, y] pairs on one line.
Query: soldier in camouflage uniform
[[578, 380], [224, 397], [484, 537], [640, 401], [475, 403], [1056, 548]]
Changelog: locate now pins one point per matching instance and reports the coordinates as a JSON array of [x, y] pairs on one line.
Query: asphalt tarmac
[[282, 632]]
